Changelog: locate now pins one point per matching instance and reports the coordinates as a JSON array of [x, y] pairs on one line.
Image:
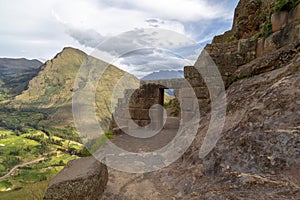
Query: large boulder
[[84, 178]]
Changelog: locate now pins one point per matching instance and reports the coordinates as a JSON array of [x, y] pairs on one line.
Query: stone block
[[143, 102], [141, 123], [84, 178], [260, 47], [196, 82], [140, 114], [122, 113], [269, 44], [203, 103], [279, 20], [187, 104], [247, 50], [186, 93], [191, 72], [201, 92]]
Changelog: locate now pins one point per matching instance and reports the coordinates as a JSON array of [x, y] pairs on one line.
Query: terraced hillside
[[36, 124]]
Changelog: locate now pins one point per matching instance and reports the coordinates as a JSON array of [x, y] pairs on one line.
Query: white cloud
[[39, 29], [183, 10]]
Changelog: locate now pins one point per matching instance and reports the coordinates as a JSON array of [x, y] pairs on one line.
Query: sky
[[139, 36]]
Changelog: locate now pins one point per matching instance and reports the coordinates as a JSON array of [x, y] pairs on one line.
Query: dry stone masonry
[[137, 106]]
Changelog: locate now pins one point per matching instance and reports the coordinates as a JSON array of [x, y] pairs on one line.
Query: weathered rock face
[[84, 178], [245, 41], [249, 16], [266, 136], [257, 155]]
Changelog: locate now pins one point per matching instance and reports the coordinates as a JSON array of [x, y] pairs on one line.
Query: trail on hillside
[[21, 165]]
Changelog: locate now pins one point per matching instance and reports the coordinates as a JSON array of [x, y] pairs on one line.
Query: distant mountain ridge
[[164, 74], [15, 74]]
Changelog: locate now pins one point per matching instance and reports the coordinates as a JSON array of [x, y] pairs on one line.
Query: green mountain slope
[[38, 123], [51, 90]]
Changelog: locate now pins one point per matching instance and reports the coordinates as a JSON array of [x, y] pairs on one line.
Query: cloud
[[145, 61], [166, 24], [39, 29], [89, 37], [183, 10], [142, 51], [131, 40]]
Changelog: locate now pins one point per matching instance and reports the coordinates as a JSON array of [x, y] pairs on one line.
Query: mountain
[[52, 89], [37, 127], [164, 74], [15, 74]]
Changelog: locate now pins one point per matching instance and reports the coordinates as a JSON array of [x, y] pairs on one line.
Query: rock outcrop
[[248, 39], [257, 155], [84, 178]]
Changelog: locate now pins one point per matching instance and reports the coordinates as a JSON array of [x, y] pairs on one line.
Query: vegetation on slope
[[52, 89], [287, 5], [38, 123], [17, 149]]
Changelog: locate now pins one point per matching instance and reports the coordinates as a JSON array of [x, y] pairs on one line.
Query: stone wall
[[136, 108], [229, 55], [286, 30], [199, 87]]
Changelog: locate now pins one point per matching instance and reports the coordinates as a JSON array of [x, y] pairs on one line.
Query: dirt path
[[127, 186], [21, 165]]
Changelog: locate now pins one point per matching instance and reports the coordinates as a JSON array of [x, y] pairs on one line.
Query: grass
[[231, 39], [31, 192], [17, 149], [247, 75], [267, 29], [94, 144], [174, 105]]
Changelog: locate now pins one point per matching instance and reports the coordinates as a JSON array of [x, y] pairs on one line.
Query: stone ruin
[[137, 108]]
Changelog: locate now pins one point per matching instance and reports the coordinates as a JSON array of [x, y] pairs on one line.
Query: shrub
[[281, 5], [231, 39], [247, 75], [267, 29]]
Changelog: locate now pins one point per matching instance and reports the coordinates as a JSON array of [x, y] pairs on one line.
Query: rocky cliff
[[257, 156]]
